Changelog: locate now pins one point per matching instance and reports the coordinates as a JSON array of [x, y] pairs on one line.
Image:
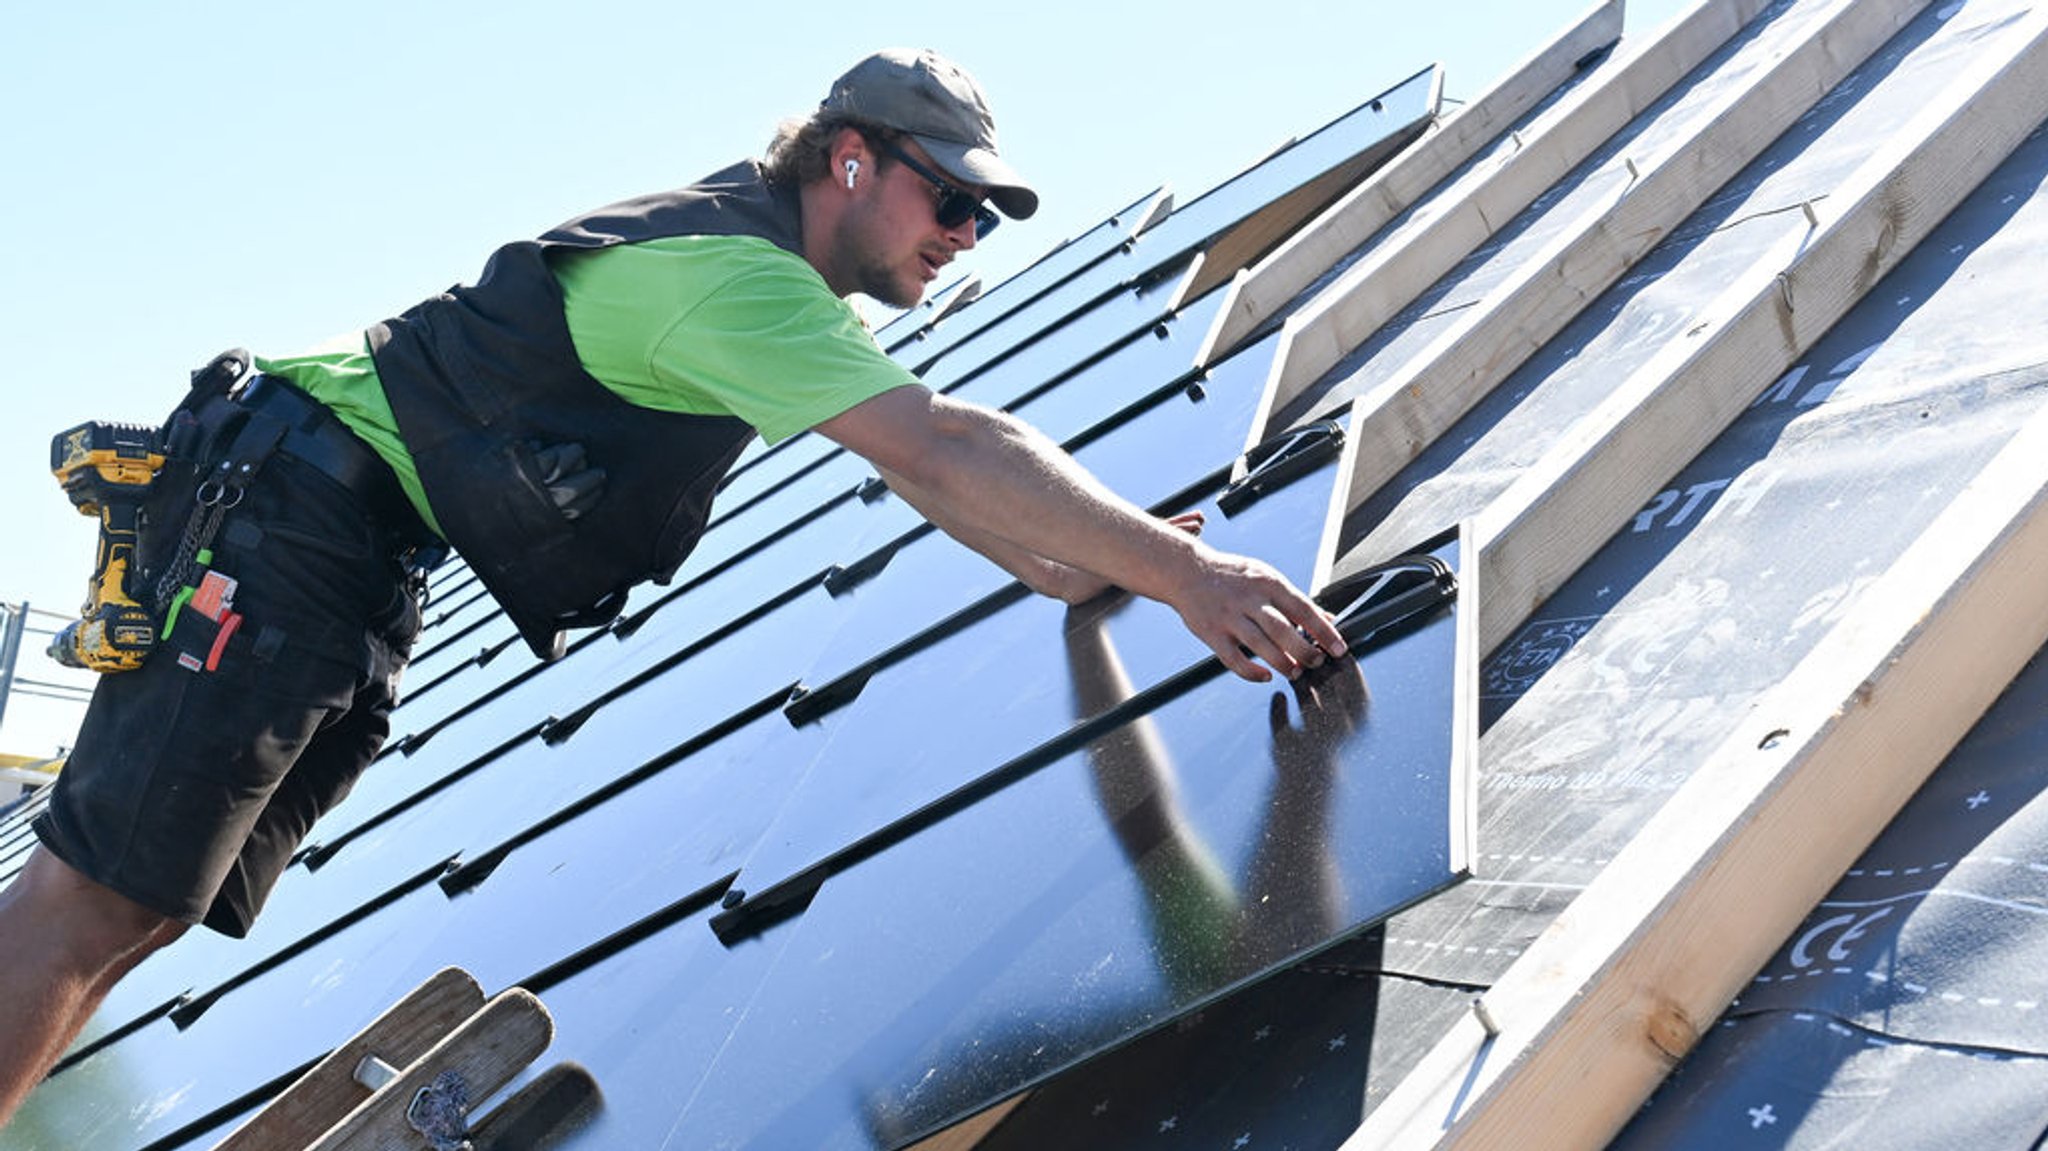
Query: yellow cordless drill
[[107, 469]]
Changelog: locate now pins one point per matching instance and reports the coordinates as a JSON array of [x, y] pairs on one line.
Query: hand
[[1246, 612]]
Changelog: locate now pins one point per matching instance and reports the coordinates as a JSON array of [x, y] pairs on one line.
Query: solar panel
[[614, 795]]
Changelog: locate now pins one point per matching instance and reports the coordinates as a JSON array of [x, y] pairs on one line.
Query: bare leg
[[65, 941]]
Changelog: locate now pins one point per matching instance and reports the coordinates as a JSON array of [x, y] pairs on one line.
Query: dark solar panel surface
[[571, 827]]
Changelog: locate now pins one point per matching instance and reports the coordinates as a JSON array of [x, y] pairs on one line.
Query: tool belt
[[234, 430], [228, 427]]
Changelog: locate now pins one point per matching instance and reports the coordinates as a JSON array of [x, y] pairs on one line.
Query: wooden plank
[[1258, 292], [487, 1050], [1345, 314], [969, 1132], [329, 1091], [1420, 401], [1603, 1004], [1605, 467]]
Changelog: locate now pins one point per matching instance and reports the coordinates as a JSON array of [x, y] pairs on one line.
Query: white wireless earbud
[[852, 169]]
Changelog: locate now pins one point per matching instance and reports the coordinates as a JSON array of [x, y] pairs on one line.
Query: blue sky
[[187, 178]]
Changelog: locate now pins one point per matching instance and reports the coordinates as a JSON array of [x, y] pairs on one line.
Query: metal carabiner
[[219, 493]]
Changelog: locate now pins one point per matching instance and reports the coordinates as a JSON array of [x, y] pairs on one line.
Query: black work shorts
[[196, 776]]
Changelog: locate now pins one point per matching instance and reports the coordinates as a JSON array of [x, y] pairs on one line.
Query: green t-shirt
[[708, 325]]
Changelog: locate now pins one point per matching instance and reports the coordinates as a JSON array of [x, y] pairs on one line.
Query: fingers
[[1293, 634], [1241, 661], [1265, 641], [1256, 621], [1280, 644], [1318, 625]]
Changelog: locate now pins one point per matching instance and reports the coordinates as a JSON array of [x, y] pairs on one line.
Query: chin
[[904, 298], [895, 291]]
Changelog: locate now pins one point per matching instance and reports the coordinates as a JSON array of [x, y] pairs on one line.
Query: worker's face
[[893, 241]]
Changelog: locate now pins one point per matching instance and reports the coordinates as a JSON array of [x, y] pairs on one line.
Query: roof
[[1717, 353]]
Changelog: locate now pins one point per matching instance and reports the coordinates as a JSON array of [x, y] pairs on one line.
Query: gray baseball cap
[[937, 103]]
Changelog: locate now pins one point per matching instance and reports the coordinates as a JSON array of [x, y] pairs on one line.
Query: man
[[562, 423]]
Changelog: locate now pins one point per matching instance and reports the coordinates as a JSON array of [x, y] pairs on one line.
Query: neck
[[821, 216]]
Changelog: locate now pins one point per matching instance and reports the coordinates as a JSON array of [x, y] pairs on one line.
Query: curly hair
[[802, 149]]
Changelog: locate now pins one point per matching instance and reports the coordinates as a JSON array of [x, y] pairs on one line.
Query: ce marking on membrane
[[1844, 929]]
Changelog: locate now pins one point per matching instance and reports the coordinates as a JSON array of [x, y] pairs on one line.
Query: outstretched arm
[[993, 480], [1064, 582]]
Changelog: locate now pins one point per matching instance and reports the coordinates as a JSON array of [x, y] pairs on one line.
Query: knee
[[82, 921]]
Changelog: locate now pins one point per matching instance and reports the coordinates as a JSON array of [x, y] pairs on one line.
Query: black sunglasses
[[955, 206]]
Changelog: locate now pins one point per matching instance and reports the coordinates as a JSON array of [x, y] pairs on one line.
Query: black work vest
[[494, 406]]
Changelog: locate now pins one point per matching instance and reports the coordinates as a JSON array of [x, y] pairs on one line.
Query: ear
[[848, 148]]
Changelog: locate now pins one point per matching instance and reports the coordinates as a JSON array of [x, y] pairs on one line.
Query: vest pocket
[[552, 487]]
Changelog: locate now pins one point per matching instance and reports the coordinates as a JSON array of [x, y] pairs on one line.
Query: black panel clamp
[[1280, 460], [1380, 597]]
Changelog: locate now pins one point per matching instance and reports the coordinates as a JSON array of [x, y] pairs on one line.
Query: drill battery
[[107, 470]]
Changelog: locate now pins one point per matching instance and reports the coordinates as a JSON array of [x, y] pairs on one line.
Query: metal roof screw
[[1484, 1016]]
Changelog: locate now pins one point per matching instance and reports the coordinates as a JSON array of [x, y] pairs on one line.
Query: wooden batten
[[1347, 312], [969, 1132], [1588, 1021], [1607, 465], [1421, 400], [1602, 1005], [1257, 293]]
